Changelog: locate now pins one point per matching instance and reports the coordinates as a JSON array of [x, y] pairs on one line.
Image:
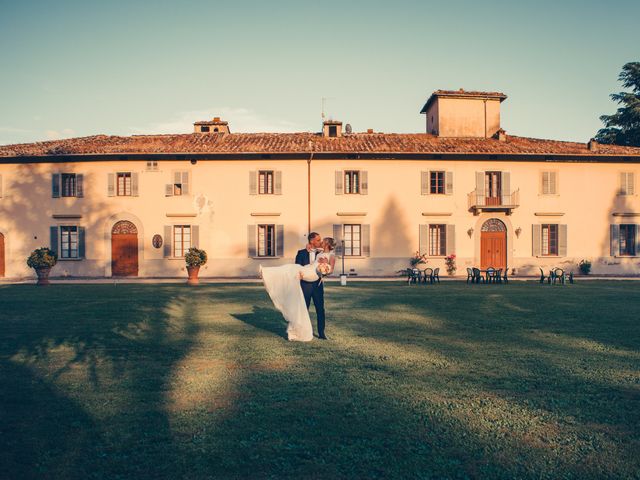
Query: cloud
[[241, 120], [56, 135], [12, 130]]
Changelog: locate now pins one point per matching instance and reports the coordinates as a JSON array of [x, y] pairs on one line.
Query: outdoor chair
[[543, 277], [477, 277], [413, 275], [505, 276], [470, 277], [436, 275], [427, 275], [490, 278], [557, 276], [497, 276]]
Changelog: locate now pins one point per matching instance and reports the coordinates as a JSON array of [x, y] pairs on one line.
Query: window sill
[[626, 256], [549, 256], [266, 258], [70, 259]]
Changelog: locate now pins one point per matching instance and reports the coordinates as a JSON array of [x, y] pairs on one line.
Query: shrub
[[585, 267], [417, 259], [195, 257], [42, 258], [450, 262]]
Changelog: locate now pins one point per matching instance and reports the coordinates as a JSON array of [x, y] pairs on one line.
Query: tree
[[623, 127]]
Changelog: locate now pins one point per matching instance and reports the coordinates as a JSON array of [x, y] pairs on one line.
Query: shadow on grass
[[267, 319]]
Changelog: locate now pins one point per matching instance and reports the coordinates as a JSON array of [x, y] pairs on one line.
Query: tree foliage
[[623, 127]]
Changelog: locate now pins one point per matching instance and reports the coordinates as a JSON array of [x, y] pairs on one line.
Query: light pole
[[343, 276]]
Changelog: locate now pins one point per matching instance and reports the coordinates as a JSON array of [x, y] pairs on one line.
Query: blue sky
[[76, 68]]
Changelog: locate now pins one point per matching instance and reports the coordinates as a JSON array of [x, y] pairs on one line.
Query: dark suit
[[312, 290]]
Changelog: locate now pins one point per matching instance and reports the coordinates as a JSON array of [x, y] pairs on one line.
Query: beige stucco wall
[[463, 117], [394, 208]]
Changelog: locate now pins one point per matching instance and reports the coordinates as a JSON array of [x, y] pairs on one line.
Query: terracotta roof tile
[[266, 143]]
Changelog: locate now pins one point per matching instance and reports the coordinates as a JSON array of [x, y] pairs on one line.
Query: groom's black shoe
[[322, 337]]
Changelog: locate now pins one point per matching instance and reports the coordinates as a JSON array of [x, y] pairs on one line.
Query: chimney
[[211, 126], [501, 135], [369, 130], [332, 128], [593, 145]]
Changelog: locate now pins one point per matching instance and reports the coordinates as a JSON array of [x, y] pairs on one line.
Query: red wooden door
[[1, 255], [493, 250], [124, 255], [492, 188]]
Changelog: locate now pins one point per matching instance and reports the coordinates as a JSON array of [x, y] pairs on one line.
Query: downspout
[[485, 118], [309, 192]]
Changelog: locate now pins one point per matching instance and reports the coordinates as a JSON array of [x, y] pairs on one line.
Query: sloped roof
[[463, 94], [304, 143]]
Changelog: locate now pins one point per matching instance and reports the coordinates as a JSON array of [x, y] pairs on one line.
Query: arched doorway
[[1, 255], [493, 244], [124, 249]]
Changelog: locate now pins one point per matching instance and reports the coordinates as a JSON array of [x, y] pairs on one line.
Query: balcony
[[479, 202]]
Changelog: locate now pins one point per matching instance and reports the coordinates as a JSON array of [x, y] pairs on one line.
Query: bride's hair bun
[[331, 243]]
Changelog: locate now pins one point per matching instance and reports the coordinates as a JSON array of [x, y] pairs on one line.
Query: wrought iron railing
[[479, 199]]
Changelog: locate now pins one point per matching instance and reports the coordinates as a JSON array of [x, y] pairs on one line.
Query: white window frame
[[437, 240], [352, 236], [180, 252], [264, 231], [546, 240], [352, 180], [266, 182], [125, 176], [61, 241]]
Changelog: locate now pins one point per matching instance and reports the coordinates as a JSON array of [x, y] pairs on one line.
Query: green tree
[[623, 127]]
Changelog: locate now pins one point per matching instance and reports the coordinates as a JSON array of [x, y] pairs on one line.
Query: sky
[[77, 68]]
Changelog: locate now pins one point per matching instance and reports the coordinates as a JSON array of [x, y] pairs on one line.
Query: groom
[[315, 289]]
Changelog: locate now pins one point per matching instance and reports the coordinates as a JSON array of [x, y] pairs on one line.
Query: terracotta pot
[[193, 275], [43, 275]]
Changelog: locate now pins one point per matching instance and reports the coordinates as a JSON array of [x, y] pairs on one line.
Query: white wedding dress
[[283, 286]]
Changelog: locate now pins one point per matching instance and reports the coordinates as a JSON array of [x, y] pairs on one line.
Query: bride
[[283, 285]]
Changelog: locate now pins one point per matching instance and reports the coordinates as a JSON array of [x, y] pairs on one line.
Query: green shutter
[[365, 240], [53, 238], [562, 240], [277, 182], [364, 182], [505, 182], [80, 185], [168, 190], [168, 240], [614, 248], [81, 242], [279, 240], [448, 184], [536, 240], [252, 240], [337, 236], [111, 184], [451, 239], [185, 183], [134, 184], [253, 183], [339, 182], [480, 184], [424, 183], [423, 239], [55, 185], [195, 236]]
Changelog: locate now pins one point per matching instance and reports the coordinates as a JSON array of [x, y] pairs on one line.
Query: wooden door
[[1, 255], [493, 250], [124, 250]]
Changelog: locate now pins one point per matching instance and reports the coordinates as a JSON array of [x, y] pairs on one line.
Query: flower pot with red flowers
[[42, 261], [194, 259]]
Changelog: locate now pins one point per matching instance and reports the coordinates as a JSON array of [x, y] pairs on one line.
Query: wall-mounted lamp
[[470, 232], [518, 232], [193, 161]]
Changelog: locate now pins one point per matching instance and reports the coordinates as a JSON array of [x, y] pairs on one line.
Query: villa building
[[132, 206]]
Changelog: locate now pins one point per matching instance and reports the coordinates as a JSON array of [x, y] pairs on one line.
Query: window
[[68, 183], [265, 182], [266, 240], [437, 240], [352, 241], [627, 240], [69, 242], [352, 181], [124, 184], [181, 240], [180, 184], [436, 182], [152, 166], [549, 239], [333, 131], [549, 183], [204, 128], [627, 183]]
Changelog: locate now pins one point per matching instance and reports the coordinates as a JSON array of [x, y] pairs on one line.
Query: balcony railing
[[478, 200]]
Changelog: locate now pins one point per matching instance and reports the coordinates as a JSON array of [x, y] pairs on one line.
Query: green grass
[[444, 381]]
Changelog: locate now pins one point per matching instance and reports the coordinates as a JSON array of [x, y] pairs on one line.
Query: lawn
[[445, 381]]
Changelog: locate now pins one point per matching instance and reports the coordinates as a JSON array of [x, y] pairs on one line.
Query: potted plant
[[42, 260], [417, 259], [450, 262], [585, 267], [194, 259]]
